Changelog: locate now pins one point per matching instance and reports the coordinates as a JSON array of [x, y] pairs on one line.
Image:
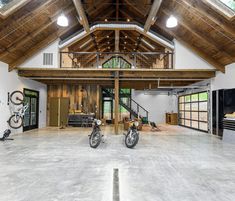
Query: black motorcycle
[[132, 136], [95, 137]]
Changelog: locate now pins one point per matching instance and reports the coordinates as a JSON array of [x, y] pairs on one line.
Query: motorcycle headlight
[[99, 122], [136, 123]]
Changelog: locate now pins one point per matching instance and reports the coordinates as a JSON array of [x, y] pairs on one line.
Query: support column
[[116, 110]]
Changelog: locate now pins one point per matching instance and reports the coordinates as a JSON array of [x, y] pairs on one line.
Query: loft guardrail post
[[135, 60]]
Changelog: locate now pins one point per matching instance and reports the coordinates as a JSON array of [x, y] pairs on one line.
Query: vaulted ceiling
[[201, 28]]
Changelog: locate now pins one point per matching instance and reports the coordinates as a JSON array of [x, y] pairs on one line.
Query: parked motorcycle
[[132, 136], [95, 137]]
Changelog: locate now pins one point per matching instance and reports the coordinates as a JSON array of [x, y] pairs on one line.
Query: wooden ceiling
[[201, 28]]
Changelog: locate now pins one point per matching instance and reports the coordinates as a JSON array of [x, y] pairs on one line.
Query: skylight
[[229, 3], [9, 6], [225, 7]]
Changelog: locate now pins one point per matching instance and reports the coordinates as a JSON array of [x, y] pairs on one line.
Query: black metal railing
[[131, 106], [147, 60]]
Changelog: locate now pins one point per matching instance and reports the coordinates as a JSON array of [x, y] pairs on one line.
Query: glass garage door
[[193, 111]]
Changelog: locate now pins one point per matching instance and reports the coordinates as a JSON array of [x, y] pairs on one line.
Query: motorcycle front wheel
[[15, 122], [131, 140], [95, 140]]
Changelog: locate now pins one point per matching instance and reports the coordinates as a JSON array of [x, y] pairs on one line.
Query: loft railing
[[147, 60]]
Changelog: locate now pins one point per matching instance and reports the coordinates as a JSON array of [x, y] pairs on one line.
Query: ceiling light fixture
[[171, 22], [128, 20], [62, 21], [106, 20]]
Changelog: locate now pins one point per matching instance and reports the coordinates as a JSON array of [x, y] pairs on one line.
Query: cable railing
[[136, 60]]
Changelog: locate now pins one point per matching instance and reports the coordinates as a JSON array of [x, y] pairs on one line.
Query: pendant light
[[62, 21], [171, 22]]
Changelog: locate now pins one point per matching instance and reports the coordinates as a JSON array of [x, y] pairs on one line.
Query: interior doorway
[[32, 113]]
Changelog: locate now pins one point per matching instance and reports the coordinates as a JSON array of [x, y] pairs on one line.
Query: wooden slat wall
[[89, 97]]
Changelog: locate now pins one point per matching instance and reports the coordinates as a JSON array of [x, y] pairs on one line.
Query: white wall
[[157, 104], [224, 80], [36, 61], [9, 82], [187, 59]]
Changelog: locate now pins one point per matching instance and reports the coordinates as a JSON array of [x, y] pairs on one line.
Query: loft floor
[[175, 164]]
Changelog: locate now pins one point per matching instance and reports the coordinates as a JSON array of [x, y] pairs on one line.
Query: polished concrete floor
[[176, 164]]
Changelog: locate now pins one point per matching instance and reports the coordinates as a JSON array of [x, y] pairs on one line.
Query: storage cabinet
[[172, 118]]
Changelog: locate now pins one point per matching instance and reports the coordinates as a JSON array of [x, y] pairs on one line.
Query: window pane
[[187, 98], [181, 100], [203, 106], [203, 126], [195, 124], [181, 115], [203, 116], [187, 123], [181, 106], [182, 122], [187, 106], [195, 115], [194, 106], [187, 115], [203, 96], [194, 97]]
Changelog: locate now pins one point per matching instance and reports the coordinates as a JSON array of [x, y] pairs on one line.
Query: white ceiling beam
[[152, 15], [82, 16]]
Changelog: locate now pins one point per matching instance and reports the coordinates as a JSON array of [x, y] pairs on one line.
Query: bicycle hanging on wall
[[16, 119]]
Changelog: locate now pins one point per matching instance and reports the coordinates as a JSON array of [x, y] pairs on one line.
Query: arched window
[[116, 62]]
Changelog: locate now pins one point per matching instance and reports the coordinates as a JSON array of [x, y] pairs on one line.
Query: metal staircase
[[131, 106]]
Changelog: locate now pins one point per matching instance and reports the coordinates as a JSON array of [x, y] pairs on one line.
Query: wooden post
[[116, 102]]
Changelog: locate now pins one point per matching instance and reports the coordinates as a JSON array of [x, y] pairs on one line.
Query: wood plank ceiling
[[201, 28]]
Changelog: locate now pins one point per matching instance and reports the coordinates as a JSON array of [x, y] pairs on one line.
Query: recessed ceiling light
[[107, 36], [106, 20], [128, 20], [108, 42], [171, 22], [125, 42], [62, 21], [125, 36]]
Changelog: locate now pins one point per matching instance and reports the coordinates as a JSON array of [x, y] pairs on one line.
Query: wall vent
[[47, 59]]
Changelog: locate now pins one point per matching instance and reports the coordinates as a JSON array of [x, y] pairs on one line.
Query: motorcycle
[[132, 136], [95, 137]]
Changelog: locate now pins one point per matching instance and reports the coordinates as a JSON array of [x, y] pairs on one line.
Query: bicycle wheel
[[15, 122], [17, 97]]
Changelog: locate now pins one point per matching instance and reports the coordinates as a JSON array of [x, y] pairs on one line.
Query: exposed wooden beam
[[200, 35], [132, 74], [152, 15], [51, 38], [196, 6], [82, 16], [35, 33], [195, 49]]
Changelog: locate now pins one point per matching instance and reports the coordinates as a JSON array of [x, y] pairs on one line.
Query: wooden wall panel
[[81, 97]]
